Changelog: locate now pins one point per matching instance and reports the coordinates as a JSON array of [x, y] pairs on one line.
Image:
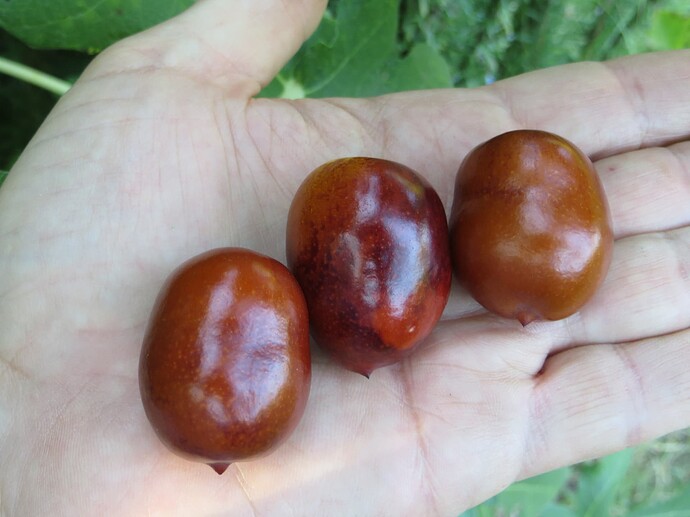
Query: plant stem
[[33, 76]]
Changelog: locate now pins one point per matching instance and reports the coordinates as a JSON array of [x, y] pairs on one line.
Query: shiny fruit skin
[[367, 241], [530, 226], [225, 367]]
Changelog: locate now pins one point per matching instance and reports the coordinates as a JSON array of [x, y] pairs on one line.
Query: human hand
[[159, 153]]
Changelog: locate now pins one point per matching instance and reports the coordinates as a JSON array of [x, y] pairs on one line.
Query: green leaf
[[557, 510], [558, 32], [599, 482], [678, 506], [482, 510], [615, 26], [529, 497], [354, 53], [3, 175], [273, 89], [498, 31], [422, 68], [347, 54], [670, 30], [86, 25]]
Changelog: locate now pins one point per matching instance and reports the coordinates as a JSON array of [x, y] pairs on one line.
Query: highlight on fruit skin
[[530, 226], [367, 239], [225, 367]]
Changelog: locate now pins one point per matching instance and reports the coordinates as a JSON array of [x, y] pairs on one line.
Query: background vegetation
[[365, 47]]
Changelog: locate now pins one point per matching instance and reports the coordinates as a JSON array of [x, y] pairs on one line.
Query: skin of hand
[[159, 152]]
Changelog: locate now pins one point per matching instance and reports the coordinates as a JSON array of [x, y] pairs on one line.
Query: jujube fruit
[[367, 239], [225, 365], [530, 226]]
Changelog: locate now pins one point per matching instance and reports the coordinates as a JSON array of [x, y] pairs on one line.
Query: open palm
[[158, 153]]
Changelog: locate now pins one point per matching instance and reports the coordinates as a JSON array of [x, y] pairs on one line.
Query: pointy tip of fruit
[[525, 318], [219, 467]]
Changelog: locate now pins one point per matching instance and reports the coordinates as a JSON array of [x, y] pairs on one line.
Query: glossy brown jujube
[[367, 241], [225, 366], [530, 226]]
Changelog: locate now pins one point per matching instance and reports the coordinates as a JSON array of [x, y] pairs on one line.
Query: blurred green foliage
[[651, 480], [83, 25], [347, 56], [486, 40], [533, 497]]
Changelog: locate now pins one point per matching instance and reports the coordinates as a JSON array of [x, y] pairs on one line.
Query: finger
[[607, 107], [591, 401], [242, 43], [604, 108], [648, 190]]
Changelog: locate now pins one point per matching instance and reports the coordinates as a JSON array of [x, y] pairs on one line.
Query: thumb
[[239, 45]]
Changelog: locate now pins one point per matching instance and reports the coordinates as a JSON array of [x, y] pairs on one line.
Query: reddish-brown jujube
[[530, 226], [367, 239], [225, 366]]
